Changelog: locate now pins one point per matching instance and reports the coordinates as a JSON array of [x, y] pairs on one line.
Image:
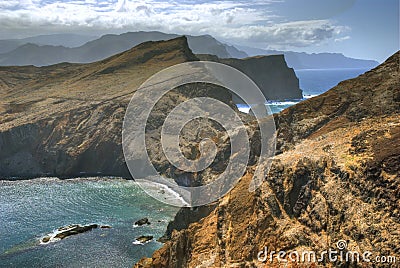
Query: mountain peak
[[176, 49]]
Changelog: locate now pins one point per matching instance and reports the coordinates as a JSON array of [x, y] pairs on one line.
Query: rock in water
[[142, 222], [66, 231], [144, 238]]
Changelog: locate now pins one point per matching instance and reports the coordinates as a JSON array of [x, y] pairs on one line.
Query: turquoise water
[[31, 209]]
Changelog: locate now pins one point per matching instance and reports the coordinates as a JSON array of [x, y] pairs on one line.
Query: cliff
[[336, 178], [65, 120], [271, 74]]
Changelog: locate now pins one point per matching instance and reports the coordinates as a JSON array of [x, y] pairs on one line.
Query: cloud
[[290, 34], [235, 21], [342, 38]]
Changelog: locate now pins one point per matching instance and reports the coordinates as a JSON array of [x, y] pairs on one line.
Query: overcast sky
[[366, 29]]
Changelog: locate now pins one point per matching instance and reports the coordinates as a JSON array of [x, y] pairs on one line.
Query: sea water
[[313, 82], [31, 209]]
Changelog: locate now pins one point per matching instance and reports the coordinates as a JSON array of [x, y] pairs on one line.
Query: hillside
[[42, 51], [66, 119], [336, 177]]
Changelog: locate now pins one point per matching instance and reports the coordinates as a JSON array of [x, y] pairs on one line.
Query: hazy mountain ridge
[[103, 47], [302, 60], [66, 40], [53, 49]]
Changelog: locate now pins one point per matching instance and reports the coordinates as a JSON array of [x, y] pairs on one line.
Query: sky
[[366, 29]]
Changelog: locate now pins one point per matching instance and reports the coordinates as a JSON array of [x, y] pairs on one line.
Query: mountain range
[[52, 49], [302, 60], [41, 52]]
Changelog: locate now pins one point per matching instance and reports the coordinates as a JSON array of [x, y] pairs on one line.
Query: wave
[[309, 96], [155, 188], [283, 103], [140, 243]]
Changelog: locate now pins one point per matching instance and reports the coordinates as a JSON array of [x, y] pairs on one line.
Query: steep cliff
[[337, 177], [271, 74]]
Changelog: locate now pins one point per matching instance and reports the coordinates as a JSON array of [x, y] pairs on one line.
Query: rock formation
[[144, 239], [67, 231], [142, 222], [271, 74], [336, 178]]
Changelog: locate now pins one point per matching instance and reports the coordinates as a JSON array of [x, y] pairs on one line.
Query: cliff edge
[[271, 74]]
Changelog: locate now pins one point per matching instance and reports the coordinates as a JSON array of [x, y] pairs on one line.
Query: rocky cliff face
[[271, 74], [65, 120], [337, 177]]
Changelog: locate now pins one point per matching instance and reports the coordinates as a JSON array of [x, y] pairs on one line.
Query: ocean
[[31, 209], [313, 83]]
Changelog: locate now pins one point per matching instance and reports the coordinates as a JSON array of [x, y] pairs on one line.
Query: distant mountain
[[103, 47], [301, 60], [66, 40]]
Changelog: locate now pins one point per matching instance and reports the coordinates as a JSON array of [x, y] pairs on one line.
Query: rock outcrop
[[337, 178], [271, 74]]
